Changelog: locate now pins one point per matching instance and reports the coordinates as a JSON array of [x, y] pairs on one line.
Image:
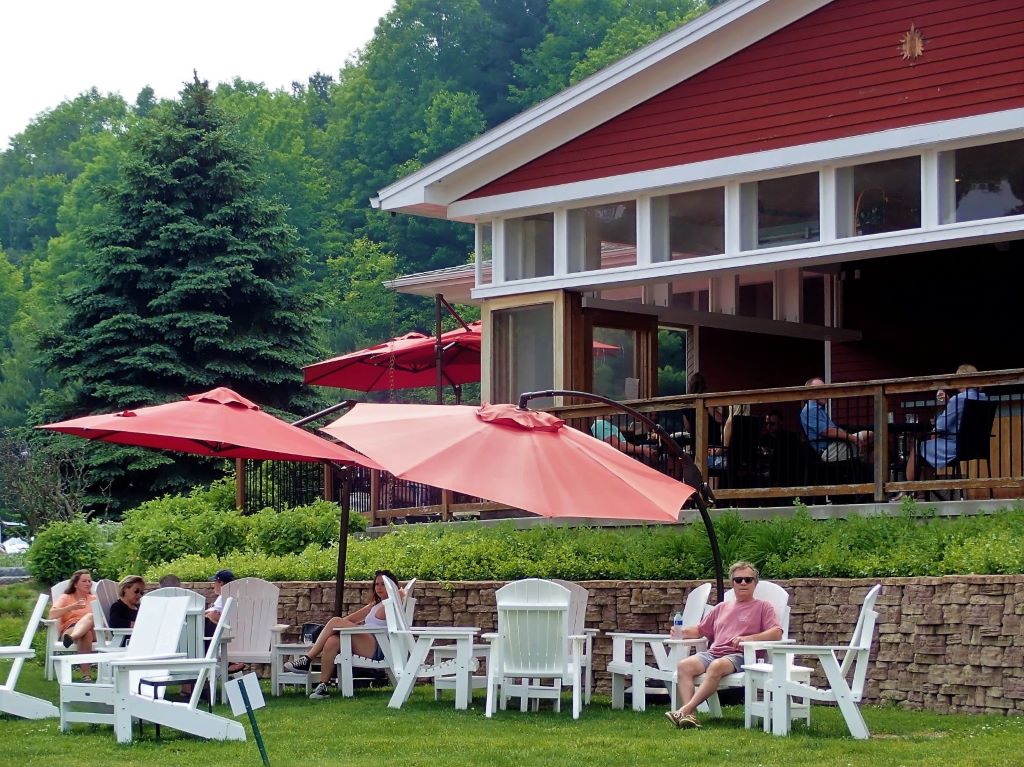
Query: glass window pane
[[787, 210], [886, 196], [990, 181], [524, 357], [484, 252], [530, 246], [696, 223], [614, 363], [602, 236]]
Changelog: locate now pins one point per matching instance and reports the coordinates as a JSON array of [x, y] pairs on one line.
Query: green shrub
[[292, 530], [166, 528], [60, 548]]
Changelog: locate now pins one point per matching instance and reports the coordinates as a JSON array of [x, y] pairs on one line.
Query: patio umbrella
[[222, 424], [409, 362], [523, 458]]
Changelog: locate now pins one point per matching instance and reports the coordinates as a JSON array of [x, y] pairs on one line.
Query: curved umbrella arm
[[691, 474]]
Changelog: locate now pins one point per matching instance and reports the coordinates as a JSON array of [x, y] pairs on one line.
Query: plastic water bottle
[[677, 625]]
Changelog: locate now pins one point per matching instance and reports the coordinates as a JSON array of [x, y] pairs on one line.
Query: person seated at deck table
[[938, 450], [717, 415], [328, 644], [608, 432], [829, 441]]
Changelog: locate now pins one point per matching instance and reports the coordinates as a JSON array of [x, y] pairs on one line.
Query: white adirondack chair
[[347, 661], [778, 693], [18, 703], [54, 645], [157, 632], [578, 599], [130, 703], [410, 647], [533, 645], [107, 638], [779, 599], [629, 656], [254, 623]]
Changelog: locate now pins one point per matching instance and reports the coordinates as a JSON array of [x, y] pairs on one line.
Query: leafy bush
[[292, 530], [912, 543], [60, 548]]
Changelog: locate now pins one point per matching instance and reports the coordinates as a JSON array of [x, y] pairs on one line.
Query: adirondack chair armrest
[[580, 637], [12, 653], [593, 633], [376, 630], [92, 657], [49, 622], [490, 636], [177, 660], [637, 637], [806, 649], [446, 632], [698, 642], [750, 649]]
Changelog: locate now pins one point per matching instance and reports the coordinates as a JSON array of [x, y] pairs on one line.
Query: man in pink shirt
[[726, 627]]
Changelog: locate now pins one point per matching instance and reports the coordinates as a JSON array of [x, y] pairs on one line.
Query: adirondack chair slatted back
[[776, 596], [190, 636], [401, 642], [533, 628], [26, 640], [696, 603], [106, 594], [860, 644], [254, 616], [158, 626], [578, 598], [410, 601]]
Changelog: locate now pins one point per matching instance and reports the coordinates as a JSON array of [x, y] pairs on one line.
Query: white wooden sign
[[252, 690]]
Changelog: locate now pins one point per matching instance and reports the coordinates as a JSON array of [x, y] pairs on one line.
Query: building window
[[788, 210], [523, 352], [989, 181], [484, 253], [615, 373], [530, 246], [696, 223], [602, 236], [879, 197]]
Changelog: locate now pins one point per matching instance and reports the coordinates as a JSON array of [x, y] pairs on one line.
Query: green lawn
[[363, 731]]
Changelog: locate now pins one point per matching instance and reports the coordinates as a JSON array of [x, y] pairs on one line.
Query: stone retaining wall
[[952, 643]]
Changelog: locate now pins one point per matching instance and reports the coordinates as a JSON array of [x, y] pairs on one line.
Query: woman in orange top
[[74, 610]]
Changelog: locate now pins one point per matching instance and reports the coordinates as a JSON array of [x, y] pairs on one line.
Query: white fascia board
[[667, 61], [806, 254], [946, 134]]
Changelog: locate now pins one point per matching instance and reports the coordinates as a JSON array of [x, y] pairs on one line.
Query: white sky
[[52, 50]]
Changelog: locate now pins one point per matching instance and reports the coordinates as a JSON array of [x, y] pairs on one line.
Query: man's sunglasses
[[743, 579]]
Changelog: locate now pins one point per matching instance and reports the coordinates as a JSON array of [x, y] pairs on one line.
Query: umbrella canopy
[[217, 423], [523, 458], [409, 362]]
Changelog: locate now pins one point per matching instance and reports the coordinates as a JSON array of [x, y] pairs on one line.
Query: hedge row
[[914, 543], [203, 523]]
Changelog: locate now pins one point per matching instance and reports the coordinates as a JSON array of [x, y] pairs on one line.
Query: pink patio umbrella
[[526, 459], [222, 424]]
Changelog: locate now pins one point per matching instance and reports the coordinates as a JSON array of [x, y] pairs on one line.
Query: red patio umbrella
[[523, 458], [410, 362], [222, 424], [217, 423]]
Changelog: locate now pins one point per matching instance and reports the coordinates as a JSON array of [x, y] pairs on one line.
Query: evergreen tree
[[193, 277]]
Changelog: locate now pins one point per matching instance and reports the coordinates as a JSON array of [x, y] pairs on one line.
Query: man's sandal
[[682, 721]]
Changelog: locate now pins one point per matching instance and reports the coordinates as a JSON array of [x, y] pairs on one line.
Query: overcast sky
[[52, 50]]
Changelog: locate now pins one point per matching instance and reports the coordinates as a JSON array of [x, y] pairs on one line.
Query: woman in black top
[[126, 609]]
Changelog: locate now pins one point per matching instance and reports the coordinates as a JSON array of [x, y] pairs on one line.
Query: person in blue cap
[[214, 612]]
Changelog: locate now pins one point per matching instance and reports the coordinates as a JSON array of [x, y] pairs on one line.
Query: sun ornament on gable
[[912, 44]]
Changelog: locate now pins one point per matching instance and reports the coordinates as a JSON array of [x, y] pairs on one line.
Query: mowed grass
[[363, 731]]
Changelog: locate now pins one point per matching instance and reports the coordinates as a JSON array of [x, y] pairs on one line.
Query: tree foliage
[[154, 248]]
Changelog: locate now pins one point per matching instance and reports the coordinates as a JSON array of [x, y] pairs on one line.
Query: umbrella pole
[[438, 348], [346, 499], [670, 445]]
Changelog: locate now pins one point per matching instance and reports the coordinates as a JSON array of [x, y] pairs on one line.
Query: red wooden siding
[[835, 73]]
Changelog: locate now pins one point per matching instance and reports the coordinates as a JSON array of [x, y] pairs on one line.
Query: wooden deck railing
[[898, 412]]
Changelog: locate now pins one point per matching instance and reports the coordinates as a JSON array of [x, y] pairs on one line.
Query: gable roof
[[680, 54]]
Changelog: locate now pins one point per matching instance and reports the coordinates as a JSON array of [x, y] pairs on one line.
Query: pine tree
[[194, 280]]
